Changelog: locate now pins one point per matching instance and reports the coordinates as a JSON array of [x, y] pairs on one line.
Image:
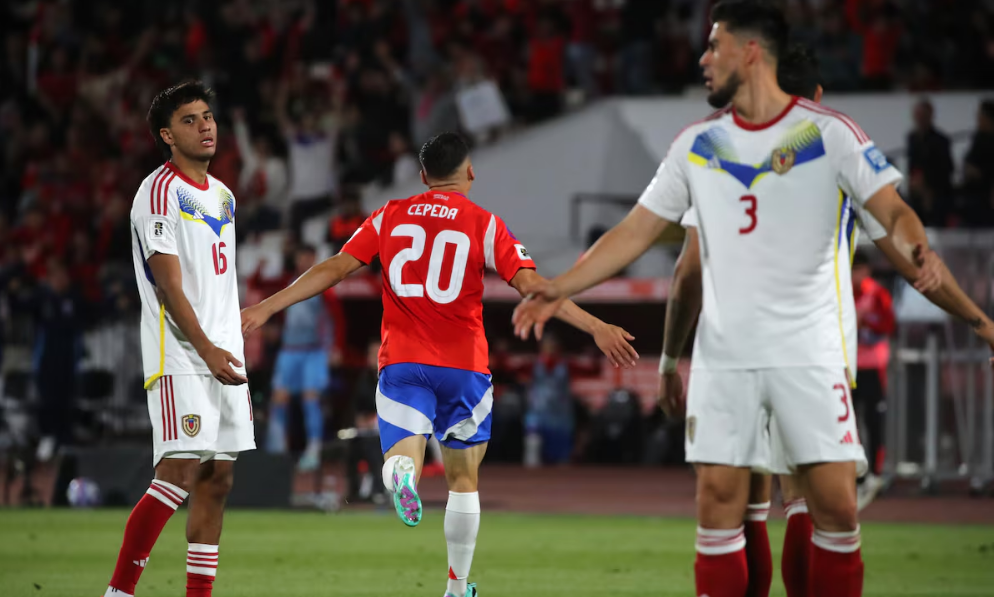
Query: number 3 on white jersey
[[414, 253]]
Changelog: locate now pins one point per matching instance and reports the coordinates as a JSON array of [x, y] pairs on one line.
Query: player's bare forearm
[[169, 286], [313, 282], [526, 280], [617, 249], [907, 235], [684, 303]]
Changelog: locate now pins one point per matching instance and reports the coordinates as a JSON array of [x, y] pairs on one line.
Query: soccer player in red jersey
[[770, 178], [435, 248]]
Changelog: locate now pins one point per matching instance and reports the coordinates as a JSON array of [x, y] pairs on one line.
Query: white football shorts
[[772, 420], [196, 416]]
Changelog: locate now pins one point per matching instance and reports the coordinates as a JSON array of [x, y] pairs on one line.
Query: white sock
[[462, 523], [405, 462], [202, 559], [112, 592]]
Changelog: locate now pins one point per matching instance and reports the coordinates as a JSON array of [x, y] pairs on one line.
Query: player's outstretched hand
[[219, 361], [671, 397], [930, 269], [253, 318], [614, 343], [535, 309]]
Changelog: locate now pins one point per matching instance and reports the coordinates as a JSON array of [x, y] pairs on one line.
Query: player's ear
[[470, 175], [424, 179], [818, 93], [167, 136]]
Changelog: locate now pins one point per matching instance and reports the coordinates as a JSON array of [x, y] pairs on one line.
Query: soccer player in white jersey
[[797, 74], [764, 176], [183, 246]]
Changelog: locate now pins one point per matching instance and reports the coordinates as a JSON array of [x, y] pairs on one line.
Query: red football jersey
[[435, 248]]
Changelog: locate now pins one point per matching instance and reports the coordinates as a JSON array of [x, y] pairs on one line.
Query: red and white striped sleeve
[[155, 213]]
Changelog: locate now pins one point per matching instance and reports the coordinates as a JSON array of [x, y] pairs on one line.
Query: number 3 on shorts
[[845, 400]]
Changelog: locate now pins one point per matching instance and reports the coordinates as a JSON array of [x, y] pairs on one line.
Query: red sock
[[836, 564], [721, 569], [796, 561], [144, 526], [758, 556], [201, 567]]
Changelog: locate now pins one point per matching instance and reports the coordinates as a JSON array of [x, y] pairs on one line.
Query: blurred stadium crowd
[[319, 100]]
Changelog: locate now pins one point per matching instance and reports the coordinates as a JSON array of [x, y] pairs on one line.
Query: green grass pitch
[[267, 554]]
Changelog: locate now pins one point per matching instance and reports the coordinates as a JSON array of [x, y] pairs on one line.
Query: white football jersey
[[174, 215], [775, 205]]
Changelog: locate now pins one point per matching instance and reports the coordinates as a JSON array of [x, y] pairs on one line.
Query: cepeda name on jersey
[[432, 210]]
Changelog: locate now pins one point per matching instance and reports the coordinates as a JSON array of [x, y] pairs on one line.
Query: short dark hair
[[165, 104], [442, 154], [761, 17], [798, 71], [860, 258]]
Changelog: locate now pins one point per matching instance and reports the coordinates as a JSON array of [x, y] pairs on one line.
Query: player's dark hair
[[307, 249], [442, 154], [165, 104], [798, 71], [860, 258], [760, 17]]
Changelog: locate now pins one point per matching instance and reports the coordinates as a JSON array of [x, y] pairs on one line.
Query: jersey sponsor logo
[[191, 425], [433, 211], [194, 211], [691, 428], [522, 253], [876, 159], [782, 160]]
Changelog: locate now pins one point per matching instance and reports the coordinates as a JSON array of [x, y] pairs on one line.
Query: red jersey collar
[[201, 187], [749, 126]]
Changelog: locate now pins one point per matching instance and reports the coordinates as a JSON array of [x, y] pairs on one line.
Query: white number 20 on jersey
[[415, 252]]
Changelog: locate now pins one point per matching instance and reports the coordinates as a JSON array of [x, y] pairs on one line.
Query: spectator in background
[[59, 317], [302, 367], [880, 26], [838, 51], [405, 165], [635, 65], [546, 81], [549, 421], [311, 144], [347, 219], [366, 482], [262, 184], [930, 168], [978, 170], [875, 324], [433, 108]]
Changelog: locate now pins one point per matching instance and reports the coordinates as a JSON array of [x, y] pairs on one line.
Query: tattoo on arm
[[976, 323]]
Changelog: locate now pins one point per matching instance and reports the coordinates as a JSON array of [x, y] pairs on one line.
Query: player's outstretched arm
[[611, 339], [314, 281], [682, 308], [911, 251], [617, 249], [169, 286]]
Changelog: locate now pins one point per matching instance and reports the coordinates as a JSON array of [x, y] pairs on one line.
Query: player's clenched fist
[[671, 398], [253, 318], [538, 307], [219, 362], [614, 343]]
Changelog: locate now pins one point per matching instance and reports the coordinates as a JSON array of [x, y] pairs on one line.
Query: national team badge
[[226, 206], [782, 160], [691, 428], [191, 424]]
